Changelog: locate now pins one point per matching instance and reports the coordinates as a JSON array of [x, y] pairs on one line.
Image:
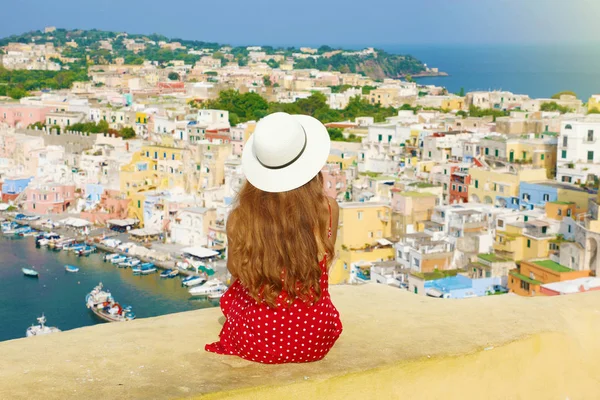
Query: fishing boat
[[129, 262], [76, 248], [41, 329], [169, 273], [193, 280], [144, 269], [86, 250], [109, 256], [118, 259], [71, 268], [213, 286], [30, 272], [104, 306]]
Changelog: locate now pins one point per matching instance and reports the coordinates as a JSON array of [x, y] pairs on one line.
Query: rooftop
[[443, 344], [554, 266], [417, 194], [491, 257]]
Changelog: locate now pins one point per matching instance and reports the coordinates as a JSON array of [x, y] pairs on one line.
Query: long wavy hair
[[276, 240]]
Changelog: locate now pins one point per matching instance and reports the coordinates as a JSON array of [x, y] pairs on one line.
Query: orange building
[[558, 210], [531, 275]]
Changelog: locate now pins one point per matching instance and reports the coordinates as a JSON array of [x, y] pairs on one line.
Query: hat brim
[[301, 171]]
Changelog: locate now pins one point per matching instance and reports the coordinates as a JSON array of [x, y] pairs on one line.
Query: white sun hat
[[285, 152]]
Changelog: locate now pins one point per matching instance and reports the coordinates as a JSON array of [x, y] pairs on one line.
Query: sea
[[60, 296], [536, 70]]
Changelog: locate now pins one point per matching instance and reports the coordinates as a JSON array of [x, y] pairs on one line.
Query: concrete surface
[[394, 345]]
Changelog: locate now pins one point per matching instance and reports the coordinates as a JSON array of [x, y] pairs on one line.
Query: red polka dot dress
[[289, 333]]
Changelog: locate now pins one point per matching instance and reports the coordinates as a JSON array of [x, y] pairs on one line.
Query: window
[[590, 156], [546, 197], [525, 285], [164, 155], [590, 135], [524, 155], [453, 187], [487, 151], [380, 137], [500, 223], [559, 212], [360, 215], [526, 197], [155, 154], [173, 156], [565, 141], [139, 204], [544, 229], [526, 218], [515, 201], [370, 234], [430, 154], [569, 229], [569, 212], [476, 184], [147, 154], [389, 138], [496, 152], [542, 156], [445, 186], [460, 189], [528, 243], [563, 154]]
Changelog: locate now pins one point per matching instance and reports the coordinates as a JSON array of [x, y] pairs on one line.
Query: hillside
[[102, 47]]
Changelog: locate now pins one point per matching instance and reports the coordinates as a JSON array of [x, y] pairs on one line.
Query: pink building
[[112, 205], [334, 180], [49, 198], [21, 116]]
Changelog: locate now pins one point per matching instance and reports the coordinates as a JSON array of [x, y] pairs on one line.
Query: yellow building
[[539, 151], [385, 96], [524, 240], [497, 186], [155, 167], [593, 104], [453, 103], [361, 232], [343, 160]]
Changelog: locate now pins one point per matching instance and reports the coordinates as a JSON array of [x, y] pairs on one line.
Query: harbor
[[60, 295]]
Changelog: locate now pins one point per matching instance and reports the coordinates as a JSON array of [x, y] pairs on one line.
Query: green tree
[[461, 93], [267, 81], [16, 93], [127, 132], [173, 76], [335, 134], [272, 63], [556, 96], [553, 106]]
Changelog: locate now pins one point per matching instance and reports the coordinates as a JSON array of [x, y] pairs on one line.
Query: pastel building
[[334, 181], [191, 226], [578, 151], [49, 198], [361, 241], [12, 187], [21, 115], [501, 186], [528, 278], [537, 194], [410, 211]]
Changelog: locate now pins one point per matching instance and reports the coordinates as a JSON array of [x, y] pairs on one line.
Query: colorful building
[[12, 187], [459, 186], [49, 198], [533, 194], [501, 186], [528, 278], [362, 230], [21, 115]]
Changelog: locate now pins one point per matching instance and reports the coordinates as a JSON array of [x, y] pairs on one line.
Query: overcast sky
[[314, 22]]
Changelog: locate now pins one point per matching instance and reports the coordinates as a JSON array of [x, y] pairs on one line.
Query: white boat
[[71, 268], [30, 272], [193, 280], [43, 242], [118, 259], [41, 329], [130, 262], [104, 306], [214, 287]]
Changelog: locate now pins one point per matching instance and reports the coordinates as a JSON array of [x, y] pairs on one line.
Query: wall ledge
[[394, 343]]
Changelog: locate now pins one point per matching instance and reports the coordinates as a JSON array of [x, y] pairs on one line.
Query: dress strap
[[329, 230]]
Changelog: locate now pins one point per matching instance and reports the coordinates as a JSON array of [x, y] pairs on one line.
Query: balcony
[[466, 339]]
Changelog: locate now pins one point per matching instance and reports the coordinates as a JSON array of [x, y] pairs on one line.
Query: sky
[[316, 22]]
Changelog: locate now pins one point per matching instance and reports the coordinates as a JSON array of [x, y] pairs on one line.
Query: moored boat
[[71, 268], [104, 306], [193, 280], [144, 269], [169, 273], [30, 272], [41, 329], [86, 250], [212, 287], [129, 262], [118, 259]]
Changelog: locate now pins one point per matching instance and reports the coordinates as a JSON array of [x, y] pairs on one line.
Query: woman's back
[[280, 245]]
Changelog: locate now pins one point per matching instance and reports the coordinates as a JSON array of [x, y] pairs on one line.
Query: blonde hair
[[275, 241]]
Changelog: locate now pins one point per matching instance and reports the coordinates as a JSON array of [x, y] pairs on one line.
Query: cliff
[[395, 345]]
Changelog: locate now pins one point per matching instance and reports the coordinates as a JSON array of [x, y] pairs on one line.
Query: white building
[[578, 158], [190, 226]]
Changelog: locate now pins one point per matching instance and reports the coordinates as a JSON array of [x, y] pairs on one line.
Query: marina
[[59, 293]]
